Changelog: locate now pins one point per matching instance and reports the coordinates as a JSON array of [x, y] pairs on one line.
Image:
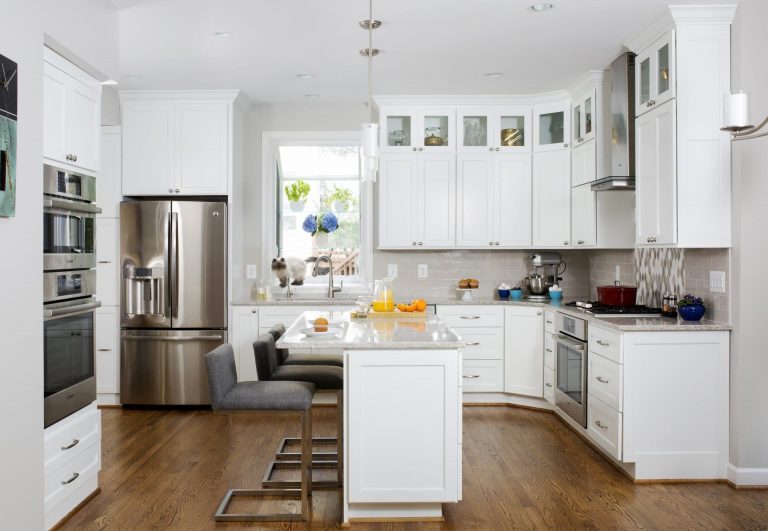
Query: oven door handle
[[69, 310], [64, 204], [568, 342]]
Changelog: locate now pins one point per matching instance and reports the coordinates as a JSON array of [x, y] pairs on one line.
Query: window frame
[[270, 142]]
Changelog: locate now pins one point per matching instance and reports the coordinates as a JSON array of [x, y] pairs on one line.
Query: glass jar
[[383, 298]]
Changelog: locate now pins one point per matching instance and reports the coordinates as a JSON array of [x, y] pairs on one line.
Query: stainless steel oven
[[571, 389], [69, 220]]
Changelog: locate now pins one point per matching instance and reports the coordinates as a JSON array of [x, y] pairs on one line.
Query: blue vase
[[692, 312]]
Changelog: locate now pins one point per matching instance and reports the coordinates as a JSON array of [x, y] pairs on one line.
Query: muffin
[[474, 283], [321, 324], [464, 283]]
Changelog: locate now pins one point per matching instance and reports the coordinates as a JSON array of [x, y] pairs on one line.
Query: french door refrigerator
[[173, 257]]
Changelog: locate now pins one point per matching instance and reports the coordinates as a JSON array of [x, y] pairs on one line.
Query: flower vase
[[321, 240], [297, 206], [691, 312]]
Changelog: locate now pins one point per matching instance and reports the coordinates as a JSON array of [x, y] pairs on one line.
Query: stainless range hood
[[622, 170]]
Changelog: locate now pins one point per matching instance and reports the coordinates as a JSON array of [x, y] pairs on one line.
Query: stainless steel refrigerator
[[173, 257]]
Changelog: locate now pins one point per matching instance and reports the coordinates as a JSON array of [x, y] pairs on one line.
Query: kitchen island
[[402, 413]]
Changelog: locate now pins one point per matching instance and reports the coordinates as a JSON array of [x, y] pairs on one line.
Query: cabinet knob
[[490, 243], [565, 243], [413, 149], [74, 157], [538, 313], [490, 149], [565, 145], [580, 242], [177, 190], [413, 243], [496, 149], [421, 149], [170, 190], [421, 243]]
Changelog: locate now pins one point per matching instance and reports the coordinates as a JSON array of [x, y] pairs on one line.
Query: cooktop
[[596, 308]]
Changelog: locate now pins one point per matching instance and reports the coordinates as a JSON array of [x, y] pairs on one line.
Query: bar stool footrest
[[222, 516], [281, 454], [296, 465]]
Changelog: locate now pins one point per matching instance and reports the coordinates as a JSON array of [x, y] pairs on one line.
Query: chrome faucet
[[331, 289]]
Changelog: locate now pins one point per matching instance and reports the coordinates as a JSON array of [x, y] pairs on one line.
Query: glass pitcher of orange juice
[[383, 299]]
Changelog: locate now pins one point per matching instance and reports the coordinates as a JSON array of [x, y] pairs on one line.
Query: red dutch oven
[[617, 295]]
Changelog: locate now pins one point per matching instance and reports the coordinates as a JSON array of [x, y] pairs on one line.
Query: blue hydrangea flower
[[310, 224], [329, 222]]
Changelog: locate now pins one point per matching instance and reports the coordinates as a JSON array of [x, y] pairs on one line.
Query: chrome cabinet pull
[[70, 480], [105, 350], [105, 261], [549, 322], [565, 243], [75, 157], [471, 376], [469, 317], [496, 149], [497, 243], [170, 190], [413, 243], [490, 243], [473, 344], [421, 243], [601, 379], [548, 349], [548, 385], [71, 445], [602, 343], [538, 313], [600, 425], [580, 242]]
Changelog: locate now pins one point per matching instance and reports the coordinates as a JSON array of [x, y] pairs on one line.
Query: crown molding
[[703, 14], [230, 96], [474, 100]]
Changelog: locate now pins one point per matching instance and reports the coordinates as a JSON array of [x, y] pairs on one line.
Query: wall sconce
[[737, 118]]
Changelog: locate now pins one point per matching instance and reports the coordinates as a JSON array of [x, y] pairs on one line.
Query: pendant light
[[369, 152]]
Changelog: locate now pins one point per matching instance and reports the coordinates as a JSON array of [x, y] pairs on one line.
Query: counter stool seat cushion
[[324, 377], [335, 360], [280, 396]]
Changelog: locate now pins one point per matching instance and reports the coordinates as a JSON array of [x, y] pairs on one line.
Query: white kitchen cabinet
[[584, 112], [583, 216], [552, 199], [106, 334], [417, 129], [523, 351], [494, 198], [584, 163], [552, 126], [243, 331], [174, 145], [655, 74], [389, 394], [485, 129], [417, 200], [107, 269], [656, 187], [71, 115], [108, 182]]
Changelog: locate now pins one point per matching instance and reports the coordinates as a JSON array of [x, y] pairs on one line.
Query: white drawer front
[[482, 343], [472, 316], [70, 436], [549, 322], [549, 385], [68, 478], [605, 343], [549, 351], [483, 376], [605, 380], [604, 426]]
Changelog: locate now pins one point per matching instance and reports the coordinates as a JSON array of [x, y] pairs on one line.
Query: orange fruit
[[321, 324], [419, 304], [402, 307], [410, 308]]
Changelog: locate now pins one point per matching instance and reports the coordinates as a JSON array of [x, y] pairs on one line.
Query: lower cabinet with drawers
[[72, 460], [549, 357], [657, 402]]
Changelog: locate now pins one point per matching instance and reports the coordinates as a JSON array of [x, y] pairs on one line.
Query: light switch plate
[[251, 271], [717, 281], [423, 271], [392, 270]]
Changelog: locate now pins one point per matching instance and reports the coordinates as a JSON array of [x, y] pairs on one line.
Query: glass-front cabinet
[[417, 129], [552, 126], [492, 129], [654, 74], [584, 117]]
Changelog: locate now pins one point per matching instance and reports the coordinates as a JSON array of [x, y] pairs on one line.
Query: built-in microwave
[[69, 220]]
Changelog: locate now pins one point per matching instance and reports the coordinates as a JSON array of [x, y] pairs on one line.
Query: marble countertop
[[373, 333]]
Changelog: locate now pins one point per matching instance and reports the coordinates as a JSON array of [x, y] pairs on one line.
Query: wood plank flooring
[[168, 469]]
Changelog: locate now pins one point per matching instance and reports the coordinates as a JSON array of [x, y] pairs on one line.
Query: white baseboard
[[747, 477], [505, 398], [108, 399]]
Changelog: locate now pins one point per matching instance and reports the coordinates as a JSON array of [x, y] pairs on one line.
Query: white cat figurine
[[289, 269]]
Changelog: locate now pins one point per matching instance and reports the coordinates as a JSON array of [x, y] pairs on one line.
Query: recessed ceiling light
[[223, 34], [304, 76], [538, 8], [311, 96], [493, 74], [132, 77], [109, 82]]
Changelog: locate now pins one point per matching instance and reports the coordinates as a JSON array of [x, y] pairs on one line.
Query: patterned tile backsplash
[[658, 272]]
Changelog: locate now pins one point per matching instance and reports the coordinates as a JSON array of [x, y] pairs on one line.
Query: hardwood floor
[[168, 469]]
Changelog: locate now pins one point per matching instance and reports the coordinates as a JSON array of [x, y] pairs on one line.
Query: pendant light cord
[[370, 61]]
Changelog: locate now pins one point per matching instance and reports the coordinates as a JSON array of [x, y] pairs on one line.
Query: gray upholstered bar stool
[[325, 378], [279, 396], [284, 358]]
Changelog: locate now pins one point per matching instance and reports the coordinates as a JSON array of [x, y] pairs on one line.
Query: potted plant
[[340, 199], [297, 195], [690, 307], [320, 226]]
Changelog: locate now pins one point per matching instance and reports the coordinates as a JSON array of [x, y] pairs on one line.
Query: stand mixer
[[546, 273]]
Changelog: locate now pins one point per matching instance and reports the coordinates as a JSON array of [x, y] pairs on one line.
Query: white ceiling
[[428, 46]]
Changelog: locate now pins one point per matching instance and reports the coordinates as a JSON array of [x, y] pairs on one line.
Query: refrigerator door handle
[[174, 259], [174, 338]]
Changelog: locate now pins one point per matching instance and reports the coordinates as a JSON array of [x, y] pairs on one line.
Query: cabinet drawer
[[605, 379], [66, 479], [483, 376], [605, 343], [472, 316], [549, 322], [482, 343], [549, 385], [549, 351], [604, 426], [70, 436]]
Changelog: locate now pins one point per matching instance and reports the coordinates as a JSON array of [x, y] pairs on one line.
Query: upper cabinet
[[583, 110], [177, 146], [71, 115], [552, 122], [552, 199], [655, 74], [494, 129], [420, 129]]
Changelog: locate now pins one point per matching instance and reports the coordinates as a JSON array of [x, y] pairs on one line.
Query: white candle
[[737, 110]]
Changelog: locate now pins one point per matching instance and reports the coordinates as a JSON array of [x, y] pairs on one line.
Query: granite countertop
[[621, 324], [374, 333]]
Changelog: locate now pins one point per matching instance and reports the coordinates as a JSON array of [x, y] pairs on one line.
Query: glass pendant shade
[[369, 154]]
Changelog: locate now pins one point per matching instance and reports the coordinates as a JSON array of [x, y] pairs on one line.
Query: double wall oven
[[572, 351], [69, 288]]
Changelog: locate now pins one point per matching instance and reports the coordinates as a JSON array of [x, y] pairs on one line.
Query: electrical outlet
[[423, 271], [717, 281], [251, 271], [392, 270]]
